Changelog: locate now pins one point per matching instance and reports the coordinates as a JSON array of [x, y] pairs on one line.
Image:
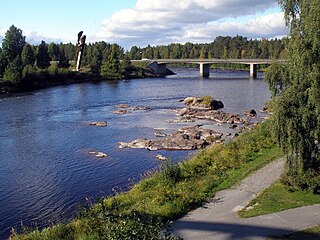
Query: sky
[[142, 22]]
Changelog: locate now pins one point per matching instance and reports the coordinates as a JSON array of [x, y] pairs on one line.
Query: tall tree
[[28, 55], [43, 58], [13, 43], [297, 106]]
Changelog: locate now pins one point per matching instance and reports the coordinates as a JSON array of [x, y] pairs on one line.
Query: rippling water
[[45, 169]]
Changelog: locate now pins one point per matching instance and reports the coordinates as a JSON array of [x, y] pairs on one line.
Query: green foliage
[[222, 47], [43, 59], [13, 72], [207, 100], [112, 67], [96, 61], [278, 198], [63, 60], [171, 172], [13, 43], [54, 51], [277, 77], [297, 108], [3, 63], [28, 55]]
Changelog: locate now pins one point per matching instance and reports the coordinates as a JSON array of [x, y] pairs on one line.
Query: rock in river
[[99, 124], [187, 138]]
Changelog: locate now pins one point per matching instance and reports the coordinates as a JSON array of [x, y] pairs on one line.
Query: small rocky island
[[191, 137], [187, 138]]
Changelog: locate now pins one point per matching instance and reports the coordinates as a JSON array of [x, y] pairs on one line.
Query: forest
[[27, 66]]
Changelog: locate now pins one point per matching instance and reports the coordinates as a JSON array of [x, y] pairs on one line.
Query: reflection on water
[[46, 171]]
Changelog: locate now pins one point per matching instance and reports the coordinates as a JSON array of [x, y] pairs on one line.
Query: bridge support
[[204, 69], [253, 70], [159, 68]]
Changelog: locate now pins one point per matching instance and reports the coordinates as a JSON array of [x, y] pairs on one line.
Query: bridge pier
[[204, 69], [253, 70], [159, 68]]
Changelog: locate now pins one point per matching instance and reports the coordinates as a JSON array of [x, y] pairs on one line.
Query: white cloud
[[32, 37], [165, 21], [36, 38]]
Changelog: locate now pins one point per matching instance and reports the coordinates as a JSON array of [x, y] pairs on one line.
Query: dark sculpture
[[80, 48]]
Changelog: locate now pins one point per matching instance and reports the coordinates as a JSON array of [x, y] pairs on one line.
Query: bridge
[[160, 65]]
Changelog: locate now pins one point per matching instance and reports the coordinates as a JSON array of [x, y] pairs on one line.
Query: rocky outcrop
[[250, 113], [215, 115], [125, 109], [188, 138], [99, 124], [206, 102], [161, 157], [121, 112], [160, 134], [98, 154]]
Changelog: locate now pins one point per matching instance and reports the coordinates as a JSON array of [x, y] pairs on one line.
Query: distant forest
[[33, 66]]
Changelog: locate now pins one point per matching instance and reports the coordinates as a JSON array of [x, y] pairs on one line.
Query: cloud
[[32, 37], [36, 38], [164, 21]]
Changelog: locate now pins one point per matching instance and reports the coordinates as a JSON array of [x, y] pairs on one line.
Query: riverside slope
[[218, 220]]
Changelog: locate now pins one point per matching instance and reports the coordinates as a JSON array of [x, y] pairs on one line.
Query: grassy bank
[[278, 198], [165, 195]]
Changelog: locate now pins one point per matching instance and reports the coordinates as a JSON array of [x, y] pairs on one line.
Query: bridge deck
[[213, 60]]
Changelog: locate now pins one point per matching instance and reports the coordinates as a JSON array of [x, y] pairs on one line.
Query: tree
[[13, 72], [28, 55], [54, 51], [297, 105], [96, 60], [3, 62], [13, 43], [43, 58], [112, 67], [63, 60]]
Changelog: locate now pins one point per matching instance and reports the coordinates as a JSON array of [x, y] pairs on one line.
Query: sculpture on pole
[[80, 48]]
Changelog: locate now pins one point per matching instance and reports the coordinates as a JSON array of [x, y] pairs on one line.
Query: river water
[[46, 171]]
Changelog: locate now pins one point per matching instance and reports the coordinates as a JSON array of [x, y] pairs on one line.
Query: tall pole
[[80, 48]]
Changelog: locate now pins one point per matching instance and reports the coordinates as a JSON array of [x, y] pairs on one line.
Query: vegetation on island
[[296, 96], [143, 211]]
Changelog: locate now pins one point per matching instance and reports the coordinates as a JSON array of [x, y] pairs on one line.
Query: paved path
[[217, 220]]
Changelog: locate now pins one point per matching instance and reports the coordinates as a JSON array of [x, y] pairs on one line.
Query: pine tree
[[28, 55], [43, 58], [13, 43]]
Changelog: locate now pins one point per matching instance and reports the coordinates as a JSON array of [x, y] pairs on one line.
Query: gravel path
[[218, 220]]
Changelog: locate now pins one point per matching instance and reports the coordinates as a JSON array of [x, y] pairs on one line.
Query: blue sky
[[142, 22]]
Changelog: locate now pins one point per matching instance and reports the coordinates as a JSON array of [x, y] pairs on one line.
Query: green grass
[[166, 195], [278, 198], [308, 234]]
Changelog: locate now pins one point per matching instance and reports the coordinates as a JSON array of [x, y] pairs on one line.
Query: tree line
[[20, 62]]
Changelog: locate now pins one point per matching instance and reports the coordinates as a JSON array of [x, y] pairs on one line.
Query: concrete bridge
[[160, 65]]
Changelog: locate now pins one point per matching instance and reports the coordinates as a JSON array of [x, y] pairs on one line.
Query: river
[[45, 139]]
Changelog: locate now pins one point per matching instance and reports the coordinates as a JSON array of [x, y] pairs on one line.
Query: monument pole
[[80, 49]]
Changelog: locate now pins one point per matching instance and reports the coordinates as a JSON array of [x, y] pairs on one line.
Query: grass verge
[[278, 198], [143, 211], [308, 234]]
